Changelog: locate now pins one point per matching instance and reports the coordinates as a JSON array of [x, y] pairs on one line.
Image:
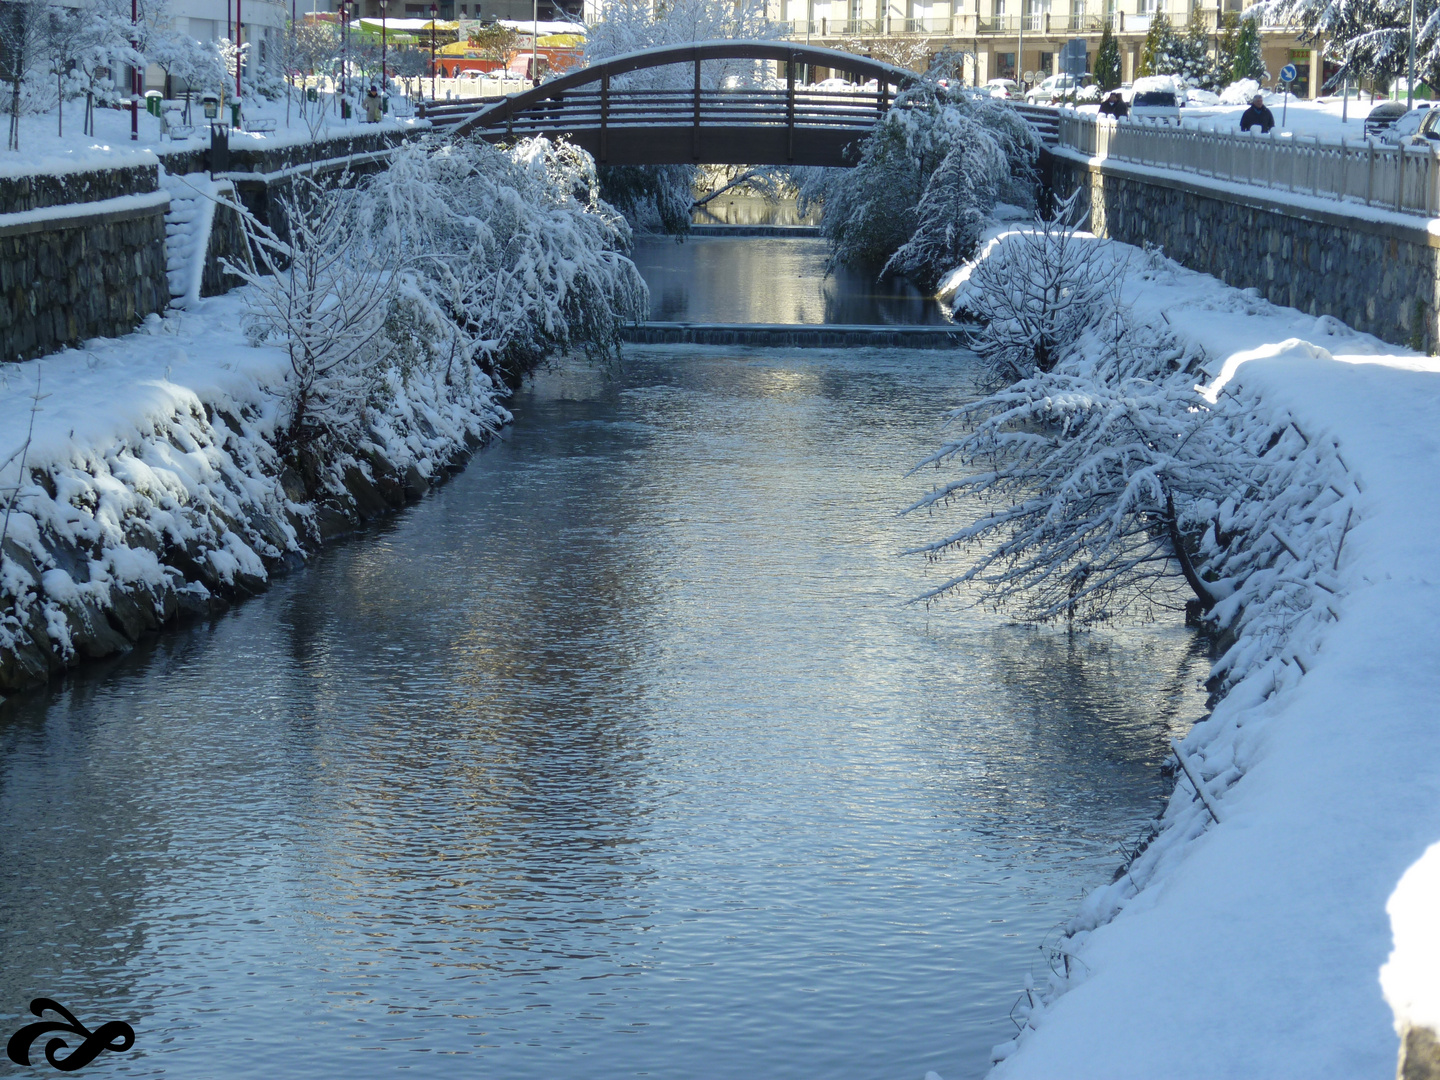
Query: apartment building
[[1008, 38]]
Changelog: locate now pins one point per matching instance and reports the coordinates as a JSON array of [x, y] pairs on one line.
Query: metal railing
[[1405, 179]]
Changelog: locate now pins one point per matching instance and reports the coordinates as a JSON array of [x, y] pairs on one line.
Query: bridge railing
[[1404, 179], [592, 108]]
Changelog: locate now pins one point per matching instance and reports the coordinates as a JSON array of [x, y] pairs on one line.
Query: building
[[1005, 39]]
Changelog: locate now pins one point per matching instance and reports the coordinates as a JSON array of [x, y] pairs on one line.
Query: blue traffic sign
[[1288, 73]]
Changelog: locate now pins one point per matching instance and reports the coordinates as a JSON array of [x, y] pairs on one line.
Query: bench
[[267, 124]]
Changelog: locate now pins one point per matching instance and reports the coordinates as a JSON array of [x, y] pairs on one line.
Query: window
[[1004, 62], [1000, 10]]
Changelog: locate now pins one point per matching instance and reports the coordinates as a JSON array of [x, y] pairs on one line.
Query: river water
[[621, 755], [732, 279]]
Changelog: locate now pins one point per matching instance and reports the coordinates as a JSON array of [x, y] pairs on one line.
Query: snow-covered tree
[[1366, 38], [323, 296], [1035, 293], [24, 31], [1107, 59], [1098, 472], [513, 249], [873, 211]]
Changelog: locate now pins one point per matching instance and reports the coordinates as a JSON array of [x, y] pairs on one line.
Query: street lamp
[[135, 79], [534, 45], [434, 12], [1410, 73], [383, 82], [239, 30], [344, 52]]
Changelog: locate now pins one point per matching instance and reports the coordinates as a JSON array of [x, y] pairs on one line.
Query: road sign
[[1031, 76], [1074, 57], [1288, 73]]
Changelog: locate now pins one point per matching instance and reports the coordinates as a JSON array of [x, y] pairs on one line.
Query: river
[[620, 755]]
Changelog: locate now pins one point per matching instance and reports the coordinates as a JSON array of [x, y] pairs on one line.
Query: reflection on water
[[618, 756], [723, 279], [748, 210]]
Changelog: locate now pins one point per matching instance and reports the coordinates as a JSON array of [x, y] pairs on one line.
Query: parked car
[[1415, 126], [1002, 88], [1055, 88], [1383, 116], [1156, 105]]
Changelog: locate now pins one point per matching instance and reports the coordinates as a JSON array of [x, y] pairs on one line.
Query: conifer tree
[[1249, 64], [1158, 51], [1107, 60]]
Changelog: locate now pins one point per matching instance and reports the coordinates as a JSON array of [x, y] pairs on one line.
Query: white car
[[1411, 127], [1053, 88], [1002, 88]]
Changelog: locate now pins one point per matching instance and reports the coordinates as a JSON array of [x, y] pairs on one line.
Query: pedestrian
[[1257, 114], [1114, 105], [372, 106]]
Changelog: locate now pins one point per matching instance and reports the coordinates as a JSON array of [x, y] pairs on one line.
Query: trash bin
[[344, 108], [153, 99], [235, 113], [312, 93]]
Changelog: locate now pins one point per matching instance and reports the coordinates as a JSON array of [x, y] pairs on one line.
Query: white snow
[[44, 150], [1411, 979], [1253, 948]]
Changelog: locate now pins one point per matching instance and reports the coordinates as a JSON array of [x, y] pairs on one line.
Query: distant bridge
[[694, 125]]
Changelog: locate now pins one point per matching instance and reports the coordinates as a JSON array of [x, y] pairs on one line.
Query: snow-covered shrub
[[1090, 471], [1035, 292], [514, 248], [459, 257], [322, 294], [872, 211], [1240, 92]]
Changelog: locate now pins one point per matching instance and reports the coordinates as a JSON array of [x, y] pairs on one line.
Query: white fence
[[1364, 171]]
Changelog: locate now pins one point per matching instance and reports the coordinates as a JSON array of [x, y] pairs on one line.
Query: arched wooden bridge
[[695, 124]]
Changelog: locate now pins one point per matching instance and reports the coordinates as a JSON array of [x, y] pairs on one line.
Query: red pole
[[434, 11], [382, 48], [136, 80]]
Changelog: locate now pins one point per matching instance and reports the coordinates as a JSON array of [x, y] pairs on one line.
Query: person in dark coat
[[1114, 105], [1257, 114]]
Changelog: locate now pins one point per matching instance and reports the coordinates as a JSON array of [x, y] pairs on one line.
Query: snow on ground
[[44, 149], [1255, 946], [1325, 117]]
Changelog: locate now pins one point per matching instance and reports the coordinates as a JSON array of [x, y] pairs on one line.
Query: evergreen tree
[[1249, 64], [1163, 51], [1225, 49], [1196, 64], [1107, 60]]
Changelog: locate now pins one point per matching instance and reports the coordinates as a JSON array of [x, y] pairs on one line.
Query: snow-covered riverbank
[[151, 486], [1253, 947]]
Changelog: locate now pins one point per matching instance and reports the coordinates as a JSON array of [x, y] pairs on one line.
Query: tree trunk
[[1182, 556]]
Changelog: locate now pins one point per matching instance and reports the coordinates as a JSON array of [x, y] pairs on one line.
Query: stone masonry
[[1378, 276], [93, 273]]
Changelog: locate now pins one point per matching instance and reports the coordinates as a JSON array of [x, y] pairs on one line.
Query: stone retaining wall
[[1376, 275], [37, 190], [94, 270]]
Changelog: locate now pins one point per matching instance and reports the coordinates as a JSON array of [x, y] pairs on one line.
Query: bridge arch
[[695, 125]]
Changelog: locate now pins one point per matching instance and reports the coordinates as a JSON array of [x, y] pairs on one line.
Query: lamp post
[[239, 56], [1410, 71], [344, 50], [434, 12], [139, 74], [535, 40], [383, 82]]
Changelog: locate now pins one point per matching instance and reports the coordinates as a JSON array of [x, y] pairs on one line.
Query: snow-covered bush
[[936, 152], [515, 249], [323, 294], [1240, 92], [1092, 470], [1035, 293], [458, 259], [1109, 474]]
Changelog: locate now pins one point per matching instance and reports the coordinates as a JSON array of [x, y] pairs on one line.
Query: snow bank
[[150, 487], [1251, 947], [1411, 979]]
